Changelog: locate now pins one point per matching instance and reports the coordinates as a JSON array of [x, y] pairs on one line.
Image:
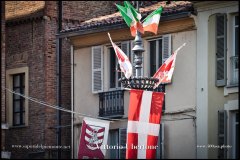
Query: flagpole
[[138, 81], [138, 49]]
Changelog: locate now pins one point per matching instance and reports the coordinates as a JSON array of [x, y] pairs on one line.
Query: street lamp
[[138, 81]]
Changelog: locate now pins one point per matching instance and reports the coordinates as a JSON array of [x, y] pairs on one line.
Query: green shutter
[[221, 50]]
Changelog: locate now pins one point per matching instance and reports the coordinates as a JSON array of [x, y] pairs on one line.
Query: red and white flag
[[94, 135], [124, 63], [144, 116], [165, 72]]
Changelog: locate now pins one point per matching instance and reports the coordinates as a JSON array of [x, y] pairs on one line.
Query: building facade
[[217, 79], [29, 63], [97, 92]]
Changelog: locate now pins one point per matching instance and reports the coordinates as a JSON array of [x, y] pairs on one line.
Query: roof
[[173, 8], [22, 9]]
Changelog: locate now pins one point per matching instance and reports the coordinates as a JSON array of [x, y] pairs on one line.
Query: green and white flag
[[150, 23]]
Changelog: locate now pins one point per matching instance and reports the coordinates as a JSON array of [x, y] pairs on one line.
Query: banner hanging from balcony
[[165, 72], [144, 116], [94, 135]]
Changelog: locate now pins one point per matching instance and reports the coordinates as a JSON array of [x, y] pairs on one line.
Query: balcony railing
[[111, 104], [234, 70]]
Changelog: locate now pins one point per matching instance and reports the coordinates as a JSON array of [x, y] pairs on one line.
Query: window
[[235, 52], [118, 138], [17, 106], [115, 72], [114, 69], [160, 50], [117, 143], [235, 135], [228, 132], [18, 101], [227, 50]]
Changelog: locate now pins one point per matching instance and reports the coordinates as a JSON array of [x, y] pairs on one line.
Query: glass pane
[[16, 80], [16, 119], [23, 105], [236, 41], [159, 53], [15, 96], [152, 57], [112, 68], [236, 20], [16, 107], [23, 80], [113, 138], [23, 118], [237, 142]]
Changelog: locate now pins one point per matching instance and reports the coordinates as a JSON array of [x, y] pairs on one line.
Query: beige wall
[[216, 94], [180, 135]]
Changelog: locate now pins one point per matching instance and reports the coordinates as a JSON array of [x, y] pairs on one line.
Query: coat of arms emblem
[[94, 137]]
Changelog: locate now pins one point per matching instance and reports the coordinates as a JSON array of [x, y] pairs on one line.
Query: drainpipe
[[72, 100], [59, 58]]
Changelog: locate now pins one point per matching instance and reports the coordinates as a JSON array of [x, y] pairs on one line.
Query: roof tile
[[115, 18]]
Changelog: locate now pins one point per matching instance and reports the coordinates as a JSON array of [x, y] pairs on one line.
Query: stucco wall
[[216, 94]]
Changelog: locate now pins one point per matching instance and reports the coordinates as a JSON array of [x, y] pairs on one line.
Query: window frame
[[9, 95], [233, 54], [129, 55], [21, 88]]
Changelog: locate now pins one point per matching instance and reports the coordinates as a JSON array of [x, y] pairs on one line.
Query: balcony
[[111, 104]]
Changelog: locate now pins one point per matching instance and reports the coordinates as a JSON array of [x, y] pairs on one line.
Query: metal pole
[[138, 49], [59, 59]]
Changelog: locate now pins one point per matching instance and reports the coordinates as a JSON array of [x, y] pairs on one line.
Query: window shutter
[[221, 49], [222, 134], [166, 49], [97, 69], [122, 142], [160, 149]]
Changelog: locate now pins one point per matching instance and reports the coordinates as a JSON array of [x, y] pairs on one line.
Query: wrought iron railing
[[111, 104], [235, 70]]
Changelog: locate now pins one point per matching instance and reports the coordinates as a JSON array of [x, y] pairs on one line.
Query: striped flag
[[165, 72], [124, 63], [131, 17], [150, 23], [144, 115], [94, 135]]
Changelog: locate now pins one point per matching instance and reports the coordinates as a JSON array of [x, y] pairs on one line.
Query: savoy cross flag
[[144, 116], [165, 72], [124, 63]]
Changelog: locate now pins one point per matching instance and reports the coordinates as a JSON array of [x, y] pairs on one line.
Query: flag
[[94, 135], [165, 72], [131, 17], [124, 63], [150, 23], [144, 116]]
